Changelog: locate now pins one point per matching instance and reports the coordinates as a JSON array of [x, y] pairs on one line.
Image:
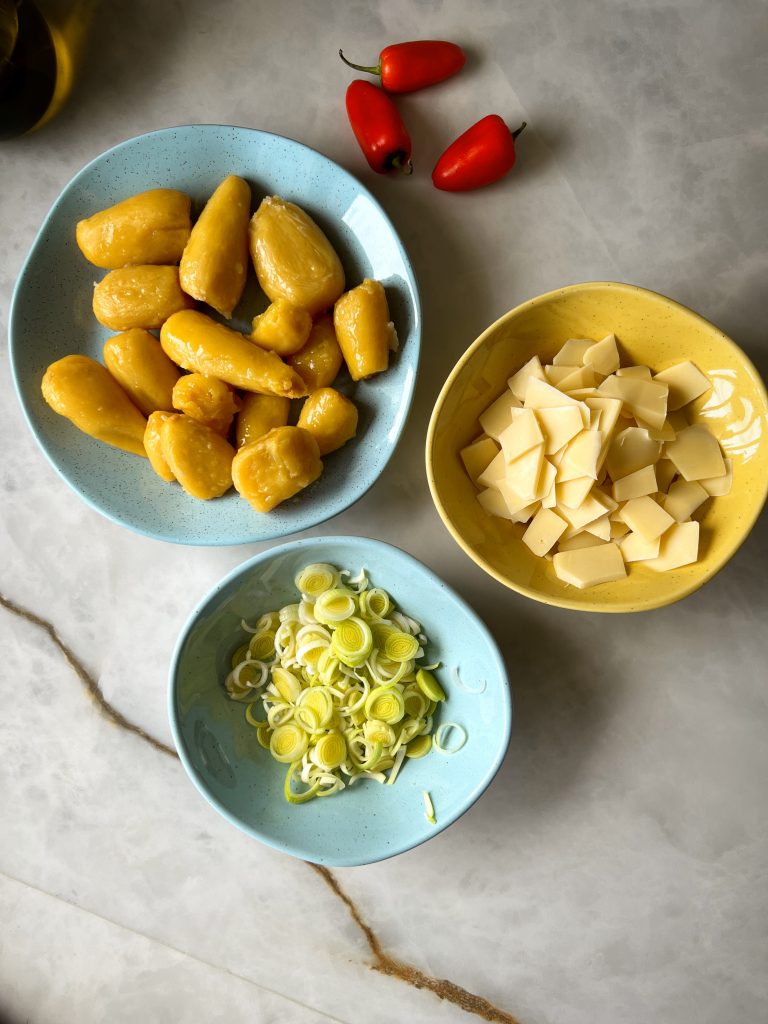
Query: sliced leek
[[334, 688]]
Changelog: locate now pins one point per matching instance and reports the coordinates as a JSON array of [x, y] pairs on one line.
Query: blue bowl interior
[[52, 317], [368, 822]]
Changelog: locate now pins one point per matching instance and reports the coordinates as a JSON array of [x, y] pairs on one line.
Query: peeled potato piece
[[87, 394], [293, 258], [282, 328], [214, 265], [330, 418], [138, 363], [138, 297], [151, 227], [207, 400], [319, 362], [154, 445], [363, 329], [199, 458], [258, 415], [276, 466], [195, 342]]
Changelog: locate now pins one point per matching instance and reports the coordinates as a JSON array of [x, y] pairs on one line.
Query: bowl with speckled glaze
[[51, 317], [368, 821], [651, 330]]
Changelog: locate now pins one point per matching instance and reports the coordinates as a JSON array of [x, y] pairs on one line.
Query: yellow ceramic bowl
[[651, 330]]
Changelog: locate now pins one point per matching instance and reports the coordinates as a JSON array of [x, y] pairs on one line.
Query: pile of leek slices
[[333, 685]]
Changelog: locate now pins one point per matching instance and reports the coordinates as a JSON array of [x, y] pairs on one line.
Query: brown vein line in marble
[[382, 962], [91, 686], [386, 964]]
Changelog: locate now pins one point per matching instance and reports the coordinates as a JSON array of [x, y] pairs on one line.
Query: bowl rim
[[530, 592], [362, 544], [14, 314]]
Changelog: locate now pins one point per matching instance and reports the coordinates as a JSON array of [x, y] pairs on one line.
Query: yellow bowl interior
[[651, 330]]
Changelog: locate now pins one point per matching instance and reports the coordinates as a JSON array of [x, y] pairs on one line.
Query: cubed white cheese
[[635, 485], [696, 454], [683, 498], [478, 456], [646, 516], [521, 435], [679, 546], [603, 356], [586, 567], [544, 531], [518, 382], [685, 382]]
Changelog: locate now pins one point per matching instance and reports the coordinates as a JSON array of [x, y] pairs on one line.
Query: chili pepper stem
[[515, 133], [375, 70], [404, 167]]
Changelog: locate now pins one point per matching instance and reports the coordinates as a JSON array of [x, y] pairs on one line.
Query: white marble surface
[[616, 869]]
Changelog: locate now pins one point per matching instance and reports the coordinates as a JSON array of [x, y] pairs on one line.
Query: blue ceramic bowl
[[51, 317], [368, 822]]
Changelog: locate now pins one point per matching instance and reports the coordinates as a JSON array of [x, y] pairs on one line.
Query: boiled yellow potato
[[293, 258], [195, 342], [87, 394], [207, 400], [199, 458], [319, 362], [258, 415], [154, 445], [330, 418], [363, 329], [138, 363], [139, 297], [282, 328], [276, 466], [151, 227], [214, 265]]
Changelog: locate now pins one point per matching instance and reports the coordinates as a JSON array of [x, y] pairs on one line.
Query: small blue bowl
[[51, 317], [368, 822]]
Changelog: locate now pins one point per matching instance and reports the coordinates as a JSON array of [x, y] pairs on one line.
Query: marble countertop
[[615, 871]]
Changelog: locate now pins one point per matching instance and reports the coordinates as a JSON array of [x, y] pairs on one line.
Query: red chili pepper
[[405, 67], [378, 128], [483, 154]]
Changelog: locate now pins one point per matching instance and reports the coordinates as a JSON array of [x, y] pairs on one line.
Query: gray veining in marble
[[615, 871]]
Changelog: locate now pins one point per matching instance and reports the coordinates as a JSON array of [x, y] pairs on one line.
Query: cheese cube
[[573, 493], [603, 356], [572, 352], [546, 484], [644, 398], [524, 472], [521, 435], [646, 516], [678, 420], [581, 455], [635, 485], [618, 529], [549, 500], [559, 425], [554, 374], [540, 395], [696, 454], [495, 471], [719, 486], [684, 498], [518, 382], [544, 531], [581, 378], [637, 548], [679, 546], [587, 567], [665, 474], [498, 416], [579, 540], [493, 503], [664, 433], [600, 528], [516, 503], [631, 449], [589, 510], [478, 456], [685, 382], [643, 372]]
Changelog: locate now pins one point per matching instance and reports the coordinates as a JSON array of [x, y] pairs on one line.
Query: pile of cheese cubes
[[600, 461]]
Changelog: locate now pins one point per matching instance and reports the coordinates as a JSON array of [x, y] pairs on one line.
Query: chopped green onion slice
[[315, 579], [352, 641], [400, 646], [262, 735], [319, 701], [429, 685], [385, 703], [293, 797], [480, 688], [443, 731], [429, 810], [286, 683], [249, 716], [240, 655], [329, 751], [288, 743], [379, 732], [334, 606]]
